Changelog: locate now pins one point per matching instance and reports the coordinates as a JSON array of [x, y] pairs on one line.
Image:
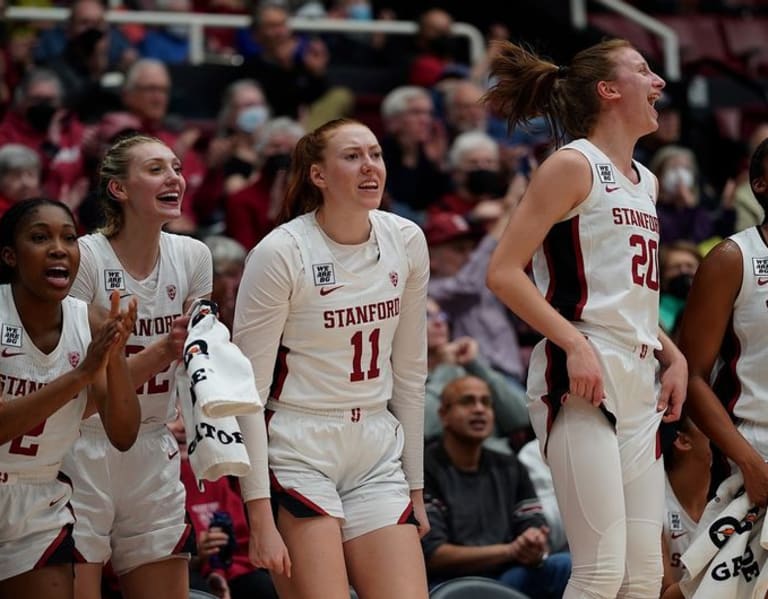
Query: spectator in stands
[[241, 579], [253, 210], [168, 43], [228, 260], [414, 148], [86, 17], [19, 175], [85, 60], [749, 213], [457, 282], [146, 93], [681, 214], [293, 70], [687, 462], [39, 121], [475, 169], [434, 48], [464, 110], [678, 262], [486, 519], [231, 158], [668, 133], [448, 359]]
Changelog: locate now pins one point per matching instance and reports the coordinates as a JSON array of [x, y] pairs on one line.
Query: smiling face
[[45, 255], [637, 87], [352, 173], [153, 188]]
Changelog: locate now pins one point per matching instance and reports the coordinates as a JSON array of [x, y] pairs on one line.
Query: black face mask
[[275, 163], [482, 182], [680, 286], [40, 115], [85, 42], [443, 46]]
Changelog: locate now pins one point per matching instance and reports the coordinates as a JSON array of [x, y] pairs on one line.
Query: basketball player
[[56, 350], [723, 335], [588, 220], [332, 313], [130, 507], [687, 460]]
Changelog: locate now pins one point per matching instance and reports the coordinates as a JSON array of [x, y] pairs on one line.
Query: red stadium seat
[[700, 38], [618, 26], [746, 40]]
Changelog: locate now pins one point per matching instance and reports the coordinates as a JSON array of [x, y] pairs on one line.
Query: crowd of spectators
[[67, 91]]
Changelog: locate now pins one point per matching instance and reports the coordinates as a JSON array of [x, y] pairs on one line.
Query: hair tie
[[562, 71]]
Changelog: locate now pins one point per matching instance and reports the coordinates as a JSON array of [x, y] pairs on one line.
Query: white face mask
[[251, 118], [673, 178]]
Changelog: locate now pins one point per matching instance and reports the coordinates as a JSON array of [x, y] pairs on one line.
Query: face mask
[[484, 182], [275, 163], [443, 46], [680, 286], [360, 12], [675, 177], [40, 115], [86, 41], [250, 119]]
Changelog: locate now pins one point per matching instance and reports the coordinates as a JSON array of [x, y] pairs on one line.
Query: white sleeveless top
[[678, 530], [24, 369], [740, 377], [184, 270], [599, 265]]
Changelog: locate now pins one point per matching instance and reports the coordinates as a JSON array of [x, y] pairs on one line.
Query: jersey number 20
[[645, 265]]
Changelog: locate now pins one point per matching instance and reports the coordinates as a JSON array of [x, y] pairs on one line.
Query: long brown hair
[[566, 96], [302, 195]]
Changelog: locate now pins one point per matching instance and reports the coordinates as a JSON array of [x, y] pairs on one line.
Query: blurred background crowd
[[72, 83]]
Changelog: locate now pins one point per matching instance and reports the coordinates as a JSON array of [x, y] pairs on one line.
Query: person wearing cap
[[459, 256]]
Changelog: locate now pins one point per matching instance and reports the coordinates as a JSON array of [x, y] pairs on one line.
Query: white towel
[[215, 445], [222, 377], [727, 555]]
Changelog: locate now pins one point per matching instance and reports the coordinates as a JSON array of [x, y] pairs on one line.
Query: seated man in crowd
[[486, 519], [449, 358]]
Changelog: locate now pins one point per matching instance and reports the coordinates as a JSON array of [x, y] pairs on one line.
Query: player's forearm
[[120, 412]]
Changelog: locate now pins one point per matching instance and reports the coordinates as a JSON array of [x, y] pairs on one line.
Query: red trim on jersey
[[280, 373], [305, 501], [182, 540], [60, 538], [403, 519], [567, 290], [727, 385], [658, 443], [580, 272]]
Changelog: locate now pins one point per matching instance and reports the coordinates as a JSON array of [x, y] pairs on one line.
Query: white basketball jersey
[[24, 369], [336, 345], [679, 529], [741, 376], [599, 265], [179, 274]]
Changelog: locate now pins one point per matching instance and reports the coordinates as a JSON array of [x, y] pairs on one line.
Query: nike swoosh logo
[[677, 535], [762, 281], [55, 501], [611, 189], [10, 354], [326, 290], [172, 455], [124, 295]]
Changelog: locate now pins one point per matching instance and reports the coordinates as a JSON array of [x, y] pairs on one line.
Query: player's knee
[[597, 581]]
